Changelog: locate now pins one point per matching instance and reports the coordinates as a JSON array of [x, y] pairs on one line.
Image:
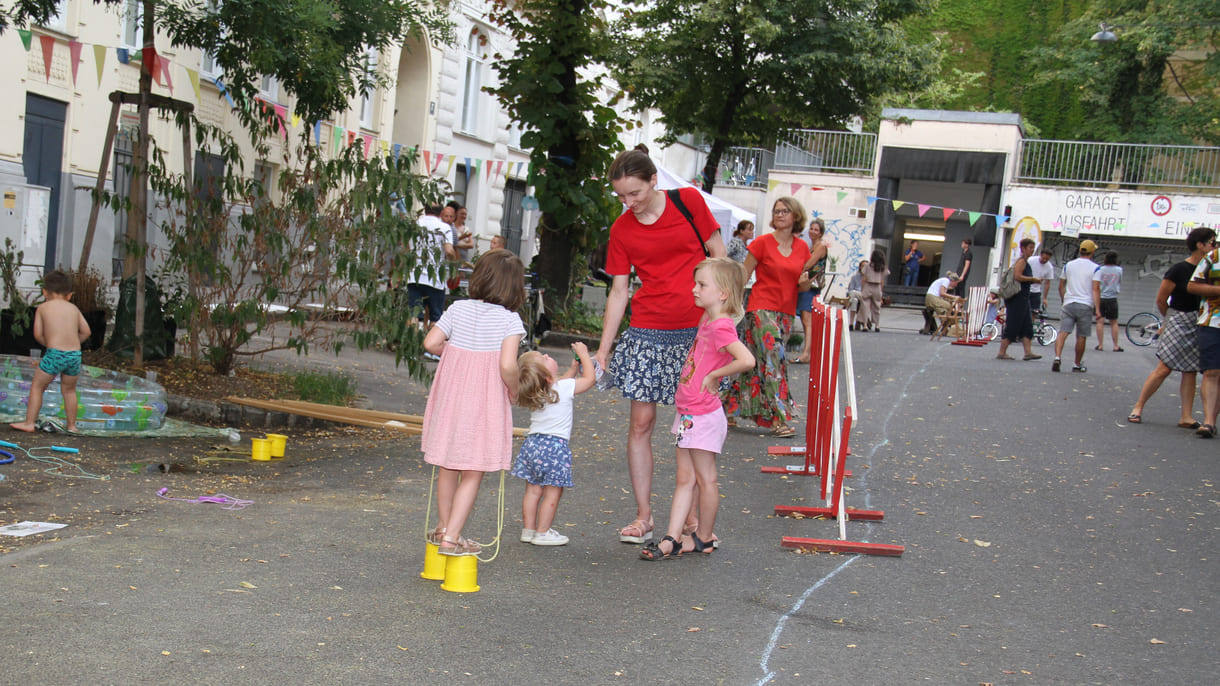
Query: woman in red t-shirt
[[777, 260], [663, 248]]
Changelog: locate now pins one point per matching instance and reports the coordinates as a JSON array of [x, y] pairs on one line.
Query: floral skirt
[[647, 363], [762, 394]]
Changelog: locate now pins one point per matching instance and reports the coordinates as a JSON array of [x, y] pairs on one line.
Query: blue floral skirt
[[545, 460], [647, 363]]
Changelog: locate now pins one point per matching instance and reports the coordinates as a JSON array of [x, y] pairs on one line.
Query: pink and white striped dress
[[468, 424]]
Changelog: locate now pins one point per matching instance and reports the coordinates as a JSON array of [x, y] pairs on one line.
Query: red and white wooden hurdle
[[976, 316], [826, 438]]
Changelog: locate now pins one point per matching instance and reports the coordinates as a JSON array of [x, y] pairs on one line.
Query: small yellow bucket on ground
[[461, 574], [434, 564], [278, 441], [260, 449]]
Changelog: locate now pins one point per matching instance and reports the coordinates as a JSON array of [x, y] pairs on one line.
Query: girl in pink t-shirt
[[700, 424]]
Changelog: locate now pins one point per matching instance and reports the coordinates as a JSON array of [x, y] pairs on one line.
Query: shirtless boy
[[60, 327]]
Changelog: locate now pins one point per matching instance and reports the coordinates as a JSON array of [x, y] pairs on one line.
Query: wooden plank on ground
[[375, 419]]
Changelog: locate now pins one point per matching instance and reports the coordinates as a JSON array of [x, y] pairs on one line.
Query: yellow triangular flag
[[193, 76], [99, 61], [772, 184], [897, 204]]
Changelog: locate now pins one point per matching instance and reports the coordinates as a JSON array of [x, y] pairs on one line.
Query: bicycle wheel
[[989, 331], [1142, 328], [1047, 334]]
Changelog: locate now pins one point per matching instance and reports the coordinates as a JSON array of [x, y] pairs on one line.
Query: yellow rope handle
[[499, 517]]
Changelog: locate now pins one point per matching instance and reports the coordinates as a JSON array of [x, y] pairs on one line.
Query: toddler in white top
[[545, 460]]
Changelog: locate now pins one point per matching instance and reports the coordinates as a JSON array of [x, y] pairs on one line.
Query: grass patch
[[332, 388]]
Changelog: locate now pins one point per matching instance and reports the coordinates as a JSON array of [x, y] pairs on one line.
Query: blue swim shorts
[[66, 362]]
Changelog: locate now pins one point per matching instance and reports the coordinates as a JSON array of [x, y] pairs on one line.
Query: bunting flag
[[841, 195], [897, 204], [947, 212], [99, 59], [1001, 218], [25, 37], [149, 55], [48, 53], [123, 55], [192, 75], [296, 120], [923, 209], [499, 166], [368, 144], [974, 217], [281, 120], [397, 151], [795, 187], [871, 199], [165, 75], [427, 159], [466, 168], [449, 169], [437, 158], [772, 184], [487, 174], [351, 138], [74, 47], [317, 132], [337, 134]]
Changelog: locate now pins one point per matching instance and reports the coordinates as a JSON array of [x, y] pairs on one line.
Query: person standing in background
[[910, 274], [1205, 283], [1111, 279], [963, 267], [1044, 271], [875, 272], [1080, 291], [742, 235], [463, 238]]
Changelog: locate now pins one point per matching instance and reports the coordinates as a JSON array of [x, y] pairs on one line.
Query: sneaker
[[1055, 365], [1080, 368], [430, 356], [527, 535], [549, 537]]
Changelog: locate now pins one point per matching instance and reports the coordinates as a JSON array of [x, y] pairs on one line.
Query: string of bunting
[[923, 208], [159, 66]]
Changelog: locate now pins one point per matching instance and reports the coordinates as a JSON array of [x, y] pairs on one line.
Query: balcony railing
[[1118, 165], [839, 152], [744, 167]]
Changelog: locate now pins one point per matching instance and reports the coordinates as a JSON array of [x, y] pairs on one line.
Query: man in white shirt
[[1044, 271], [1080, 290], [939, 300], [426, 288]]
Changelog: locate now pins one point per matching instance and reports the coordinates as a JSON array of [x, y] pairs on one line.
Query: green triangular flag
[[974, 217], [841, 195], [25, 38]]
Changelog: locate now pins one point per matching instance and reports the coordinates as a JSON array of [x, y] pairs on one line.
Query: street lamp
[[1105, 35]]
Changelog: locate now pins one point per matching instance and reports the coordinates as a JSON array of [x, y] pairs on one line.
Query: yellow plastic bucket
[[278, 441], [461, 574], [260, 449]]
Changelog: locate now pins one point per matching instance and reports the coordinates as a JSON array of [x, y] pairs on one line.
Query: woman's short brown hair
[[499, 278], [635, 163]]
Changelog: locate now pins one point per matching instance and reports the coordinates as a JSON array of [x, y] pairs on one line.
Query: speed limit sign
[[1161, 205]]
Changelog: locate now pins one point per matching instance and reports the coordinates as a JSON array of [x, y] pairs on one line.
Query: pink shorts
[[701, 431]]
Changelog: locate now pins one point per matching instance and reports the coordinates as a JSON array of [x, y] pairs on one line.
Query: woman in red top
[[777, 261], [657, 241]]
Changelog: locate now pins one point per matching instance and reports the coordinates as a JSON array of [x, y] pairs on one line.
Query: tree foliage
[[1158, 83], [737, 71], [551, 87]]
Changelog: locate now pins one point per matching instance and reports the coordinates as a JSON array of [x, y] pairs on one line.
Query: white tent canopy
[[727, 214]]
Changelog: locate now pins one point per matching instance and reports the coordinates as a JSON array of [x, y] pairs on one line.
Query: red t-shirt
[[776, 276], [664, 255]]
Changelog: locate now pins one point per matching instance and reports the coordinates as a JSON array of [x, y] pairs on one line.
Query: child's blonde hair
[[727, 276], [534, 390]]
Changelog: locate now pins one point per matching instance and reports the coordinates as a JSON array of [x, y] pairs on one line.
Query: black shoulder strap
[[676, 198]]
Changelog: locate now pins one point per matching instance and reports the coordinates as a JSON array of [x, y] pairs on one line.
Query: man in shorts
[[1080, 291], [426, 288], [1206, 284]]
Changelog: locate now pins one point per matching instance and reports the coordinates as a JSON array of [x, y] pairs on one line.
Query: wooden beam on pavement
[[828, 545]]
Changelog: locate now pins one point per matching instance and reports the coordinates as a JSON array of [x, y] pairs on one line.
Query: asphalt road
[[1046, 541]]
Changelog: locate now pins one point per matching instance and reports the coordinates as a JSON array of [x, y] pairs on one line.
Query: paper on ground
[[27, 528]]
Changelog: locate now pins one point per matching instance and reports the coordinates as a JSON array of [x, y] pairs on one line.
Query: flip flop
[[1136, 419], [1118, 350], [1188, 425]]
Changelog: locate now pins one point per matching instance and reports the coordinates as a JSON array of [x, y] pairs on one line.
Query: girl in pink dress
[[468, 423]]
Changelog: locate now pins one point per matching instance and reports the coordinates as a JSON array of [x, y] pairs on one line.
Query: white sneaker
[[527, 535], [549, 537]]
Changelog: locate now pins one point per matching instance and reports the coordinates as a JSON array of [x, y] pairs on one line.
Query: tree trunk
[[554, 262]]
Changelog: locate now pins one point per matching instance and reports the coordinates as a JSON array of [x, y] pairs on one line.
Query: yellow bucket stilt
[[434, 563], [461, 574]]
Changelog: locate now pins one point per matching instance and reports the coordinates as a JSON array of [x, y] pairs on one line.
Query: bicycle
[[1044, 332], [1143, 328]]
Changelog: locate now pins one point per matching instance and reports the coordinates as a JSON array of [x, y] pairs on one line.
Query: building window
[[58, 21], [472, 91], [514, 135], [133, 17], [369, 96], [269, 88], [207, 64]]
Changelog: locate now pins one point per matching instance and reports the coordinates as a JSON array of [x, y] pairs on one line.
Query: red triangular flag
[[150, 63], [487, 174], [48, 53], [795, 187], [428, 160], [948, 212], [165, 74], [923, 208], [74, 47], [499, 166]]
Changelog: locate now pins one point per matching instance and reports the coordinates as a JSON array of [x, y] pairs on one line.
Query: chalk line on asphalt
[[800, 602]]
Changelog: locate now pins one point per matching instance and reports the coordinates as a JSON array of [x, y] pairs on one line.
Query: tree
[[569, 127], [1157, 83], [738, 72]]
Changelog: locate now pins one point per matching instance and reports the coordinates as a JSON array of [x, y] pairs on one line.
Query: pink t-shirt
[[706, 355]]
